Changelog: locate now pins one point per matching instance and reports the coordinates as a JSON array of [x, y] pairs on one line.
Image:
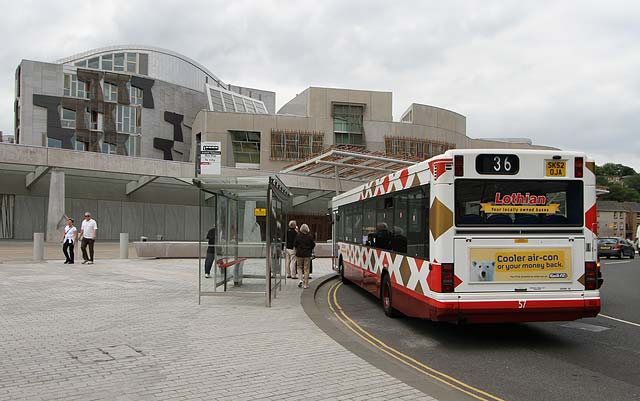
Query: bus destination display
[[497, 164]]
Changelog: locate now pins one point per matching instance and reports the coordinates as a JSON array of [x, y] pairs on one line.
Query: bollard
[[124, 245], [38, 247]]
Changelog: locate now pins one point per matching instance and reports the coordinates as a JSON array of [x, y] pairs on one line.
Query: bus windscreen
[[480, 202]]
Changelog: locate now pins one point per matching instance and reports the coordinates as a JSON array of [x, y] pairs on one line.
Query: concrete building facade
[[319, 118], [125, 100], [116, 131]]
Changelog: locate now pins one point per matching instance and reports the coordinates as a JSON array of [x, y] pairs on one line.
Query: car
[[614, 246]]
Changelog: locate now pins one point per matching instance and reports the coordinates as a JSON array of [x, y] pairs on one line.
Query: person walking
[[304, 245], [69, 239], [211, 252], [88, 232], [289, 252]]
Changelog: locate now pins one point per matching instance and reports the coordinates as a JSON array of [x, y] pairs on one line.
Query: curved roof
[[89, 53]]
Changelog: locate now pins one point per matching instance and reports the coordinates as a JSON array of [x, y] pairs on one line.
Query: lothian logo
[[520, 199]]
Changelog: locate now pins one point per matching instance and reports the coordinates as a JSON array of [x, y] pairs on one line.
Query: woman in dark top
[[211, 252], [304, 245]]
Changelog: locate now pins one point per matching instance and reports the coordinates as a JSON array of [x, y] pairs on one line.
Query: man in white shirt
[[69, 240], [88, 232]]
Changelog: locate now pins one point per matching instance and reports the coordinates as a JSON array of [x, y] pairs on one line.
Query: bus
[[476, 236]]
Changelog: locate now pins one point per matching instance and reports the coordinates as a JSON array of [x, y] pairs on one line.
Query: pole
[[38, 247], [124, 245]]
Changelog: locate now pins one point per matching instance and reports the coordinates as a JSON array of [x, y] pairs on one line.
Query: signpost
[[210, 158]]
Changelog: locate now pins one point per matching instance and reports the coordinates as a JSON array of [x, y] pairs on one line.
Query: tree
[[621, 194], [633, 182], [615, 169]]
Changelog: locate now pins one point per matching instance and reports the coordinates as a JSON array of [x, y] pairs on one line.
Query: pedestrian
[[88, 232], [69, 239], [211, 252], [289, 252], [304, 245]]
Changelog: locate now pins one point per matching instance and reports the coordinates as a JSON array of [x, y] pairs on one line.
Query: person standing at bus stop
[[304, 245], [211, 252], [88, 232], [289, 252]]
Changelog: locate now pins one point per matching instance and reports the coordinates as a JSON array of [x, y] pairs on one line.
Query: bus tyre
[[387, 297], [344, 280]]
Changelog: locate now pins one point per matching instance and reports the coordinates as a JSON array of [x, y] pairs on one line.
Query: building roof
[[633, 207], [100, 50], [351, 163], [610, 206]]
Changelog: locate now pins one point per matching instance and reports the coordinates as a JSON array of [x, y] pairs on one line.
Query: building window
[[216, 101], [68, 118], [132, 62], [94, 63], [107, 62], [135, 95], [74, 88], [118, 62], [239, 104], [615, 215], [222, 100], [110, 92], [295, 145], [132, 146], [348, 124], [246, 148], [413, 147], [128, 119]]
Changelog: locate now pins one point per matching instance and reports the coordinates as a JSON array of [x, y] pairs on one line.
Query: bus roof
[[449, 154]]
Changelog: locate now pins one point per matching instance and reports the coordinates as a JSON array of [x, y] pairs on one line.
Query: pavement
[[132, 330], [14, 250]]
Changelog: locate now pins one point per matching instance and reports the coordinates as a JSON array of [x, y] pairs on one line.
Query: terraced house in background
[[124, 122]]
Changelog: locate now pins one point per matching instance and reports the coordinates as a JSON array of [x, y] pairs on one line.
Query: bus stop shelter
[[242, 226]]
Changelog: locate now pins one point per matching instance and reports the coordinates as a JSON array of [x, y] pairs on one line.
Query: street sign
[[210, 158]]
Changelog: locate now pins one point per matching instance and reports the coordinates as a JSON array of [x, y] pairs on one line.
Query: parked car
[[617, 247]]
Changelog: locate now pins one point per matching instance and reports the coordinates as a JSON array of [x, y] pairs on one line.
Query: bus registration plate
[[556, 168]]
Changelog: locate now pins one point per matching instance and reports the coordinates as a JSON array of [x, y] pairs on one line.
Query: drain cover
[[105, 354]]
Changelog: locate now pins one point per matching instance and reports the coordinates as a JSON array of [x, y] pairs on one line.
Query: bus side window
[[357, 223], [368, 222], [399, 232], [418, 223]]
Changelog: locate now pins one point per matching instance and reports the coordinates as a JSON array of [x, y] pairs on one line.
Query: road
[[589, 359]]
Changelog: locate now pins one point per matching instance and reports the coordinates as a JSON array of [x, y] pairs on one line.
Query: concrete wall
[[173, 222], [42, 79]]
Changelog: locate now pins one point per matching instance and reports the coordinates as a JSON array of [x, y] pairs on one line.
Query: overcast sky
[[565, 74]]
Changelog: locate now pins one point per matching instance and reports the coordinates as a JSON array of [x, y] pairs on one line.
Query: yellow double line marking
[[337, 310]]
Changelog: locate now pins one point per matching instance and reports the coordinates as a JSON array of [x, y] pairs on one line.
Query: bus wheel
[[344, 280], [386, 297]]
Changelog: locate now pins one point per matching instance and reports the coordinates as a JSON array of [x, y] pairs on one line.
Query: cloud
[[561, 73]]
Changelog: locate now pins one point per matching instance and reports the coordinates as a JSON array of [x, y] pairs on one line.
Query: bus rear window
[[519, 202]]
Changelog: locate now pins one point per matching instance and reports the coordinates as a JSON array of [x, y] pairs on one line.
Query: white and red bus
[[476, 236]]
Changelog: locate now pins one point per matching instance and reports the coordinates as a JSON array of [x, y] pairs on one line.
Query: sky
[[562, 73]]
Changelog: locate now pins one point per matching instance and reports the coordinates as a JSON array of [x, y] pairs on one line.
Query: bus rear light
[[590, 275], [578, 167], [458, 165], [447, 277]]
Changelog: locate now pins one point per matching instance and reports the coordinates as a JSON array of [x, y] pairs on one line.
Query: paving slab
[[132, 330]]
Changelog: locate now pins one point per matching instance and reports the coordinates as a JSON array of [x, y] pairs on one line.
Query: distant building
[[618, 219]]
